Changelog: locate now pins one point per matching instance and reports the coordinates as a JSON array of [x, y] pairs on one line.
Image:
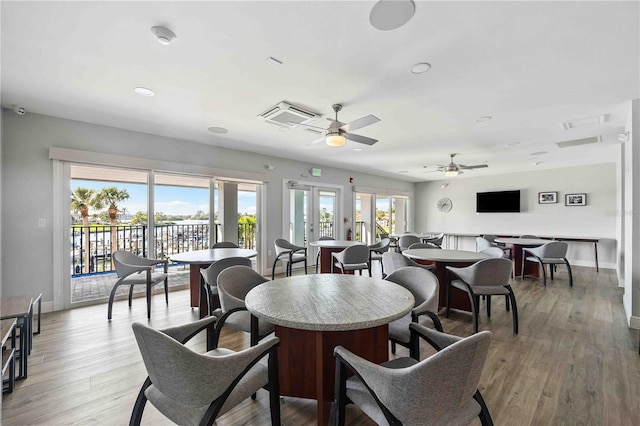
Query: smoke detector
[[164, 35]]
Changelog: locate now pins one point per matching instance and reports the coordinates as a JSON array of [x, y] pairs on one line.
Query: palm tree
[[81, 200], [111, 196]]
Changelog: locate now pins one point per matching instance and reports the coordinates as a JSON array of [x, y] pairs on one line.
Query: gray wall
[[27, 184], [596, 219]]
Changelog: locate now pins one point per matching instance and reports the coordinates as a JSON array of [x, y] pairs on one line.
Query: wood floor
[[574, 362]]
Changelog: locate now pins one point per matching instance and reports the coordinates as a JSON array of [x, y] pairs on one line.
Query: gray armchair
[[353, 258], [406, 240], [133, 270], [209, 282], [485, 278], [191, 388], [552, 253], [440, 390], [234, 283], [392, 261], [424, 287], [291, 253], [376, 250], [224, 244]]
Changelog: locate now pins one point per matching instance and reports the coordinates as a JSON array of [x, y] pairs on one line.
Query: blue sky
[[169, 200]]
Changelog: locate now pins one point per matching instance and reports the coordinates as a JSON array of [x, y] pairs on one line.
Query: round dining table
[[443, 258], [200, 259], [315, 313], [327, 248]]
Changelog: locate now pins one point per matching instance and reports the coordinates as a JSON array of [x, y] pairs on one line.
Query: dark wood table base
[[307, 364]]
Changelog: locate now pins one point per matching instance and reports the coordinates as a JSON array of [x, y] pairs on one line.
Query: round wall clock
[[444, 205]]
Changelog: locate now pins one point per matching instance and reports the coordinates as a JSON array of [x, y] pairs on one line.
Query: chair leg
[[474, 309], [305, 266], [273, 269], [485, 416], [393, 348], [514, 310], [166, 290], [340, 393], [130, 295], [524, 256], [544, 274], [111, 296], [569, 271], [448, 297], [138, 408], [488, 306], [551, 268], [274, 389], [506, 302]]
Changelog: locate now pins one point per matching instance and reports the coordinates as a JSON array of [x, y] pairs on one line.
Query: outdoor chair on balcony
[[133, 270], [291, 253]]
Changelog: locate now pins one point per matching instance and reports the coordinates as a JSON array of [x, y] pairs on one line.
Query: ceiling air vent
[[588, 121], [577, 142], [284, 114]]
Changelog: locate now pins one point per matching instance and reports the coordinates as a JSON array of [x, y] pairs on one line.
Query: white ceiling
[[529, 65]]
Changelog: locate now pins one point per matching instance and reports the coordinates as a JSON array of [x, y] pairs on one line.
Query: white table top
[[211, 255], [329, 302], [441, 255], [522, 241], [335, 243]]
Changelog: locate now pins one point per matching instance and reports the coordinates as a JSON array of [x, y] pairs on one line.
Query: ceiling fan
[[453, 169], [337, 133]]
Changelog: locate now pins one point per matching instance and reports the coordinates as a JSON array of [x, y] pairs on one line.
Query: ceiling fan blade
[[360, 123], [477, 166], [360, 139]]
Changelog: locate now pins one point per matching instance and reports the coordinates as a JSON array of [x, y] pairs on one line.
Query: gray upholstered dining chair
[[234, 283], [392, 261], [406, 240], [323, 238], [529, 236], [191, 388], [291, 254], [492, 239], [224, 244], [485, 278], [423, 285], [209, 281], [376, 250], [428, 245], [552, 253], [352, 258], [437, 240], [439, 390], [483, 244], [134, 270]]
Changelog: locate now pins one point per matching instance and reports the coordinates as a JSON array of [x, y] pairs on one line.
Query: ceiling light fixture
[[483, 119], [219, 130], [419, 68], [143, 91], [391, 14], [335, 139], [451, 173], [164, 35]]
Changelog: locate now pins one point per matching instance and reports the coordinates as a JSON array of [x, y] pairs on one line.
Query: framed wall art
[[547, 197], [575, 200]]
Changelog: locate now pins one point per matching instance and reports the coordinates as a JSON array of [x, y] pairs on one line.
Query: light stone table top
[[523, 241], [335, 243], [207, 257], [329, 302]]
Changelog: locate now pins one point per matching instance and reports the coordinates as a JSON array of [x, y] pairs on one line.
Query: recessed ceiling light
[[283, 128], [483, 119], [539, 153], [389, 15], [403, 171], [419, 68], [219, 130], [143, 91], [537, 163], [357, 149], [164, 35]]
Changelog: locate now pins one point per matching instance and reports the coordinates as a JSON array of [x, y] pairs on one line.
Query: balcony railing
[[169, 240]]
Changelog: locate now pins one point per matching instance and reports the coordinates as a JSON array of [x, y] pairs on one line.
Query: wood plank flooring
[[574, 362]]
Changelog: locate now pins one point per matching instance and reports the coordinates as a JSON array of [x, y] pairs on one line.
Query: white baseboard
[[46, 307], [634, 322], [590, 264]]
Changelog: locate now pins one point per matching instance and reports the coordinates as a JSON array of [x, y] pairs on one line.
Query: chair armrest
[[436, 339], [126, 269], [185, 332]]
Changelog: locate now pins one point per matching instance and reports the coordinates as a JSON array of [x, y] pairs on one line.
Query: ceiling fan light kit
[[336, 139]]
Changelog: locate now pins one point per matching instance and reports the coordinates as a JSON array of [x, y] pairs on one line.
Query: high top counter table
[[200, 259], [517, 244], [443, 258], [315, 313]]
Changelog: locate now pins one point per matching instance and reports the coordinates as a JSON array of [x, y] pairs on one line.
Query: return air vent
[[588, 121], [284, 113], [577, 142], [315, 132]]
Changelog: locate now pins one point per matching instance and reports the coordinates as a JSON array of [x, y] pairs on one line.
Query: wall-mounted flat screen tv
[[498, 202]]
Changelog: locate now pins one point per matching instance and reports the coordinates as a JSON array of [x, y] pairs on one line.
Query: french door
[[313, 212]]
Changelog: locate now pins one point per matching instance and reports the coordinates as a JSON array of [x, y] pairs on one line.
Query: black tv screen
[[498, 202]]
